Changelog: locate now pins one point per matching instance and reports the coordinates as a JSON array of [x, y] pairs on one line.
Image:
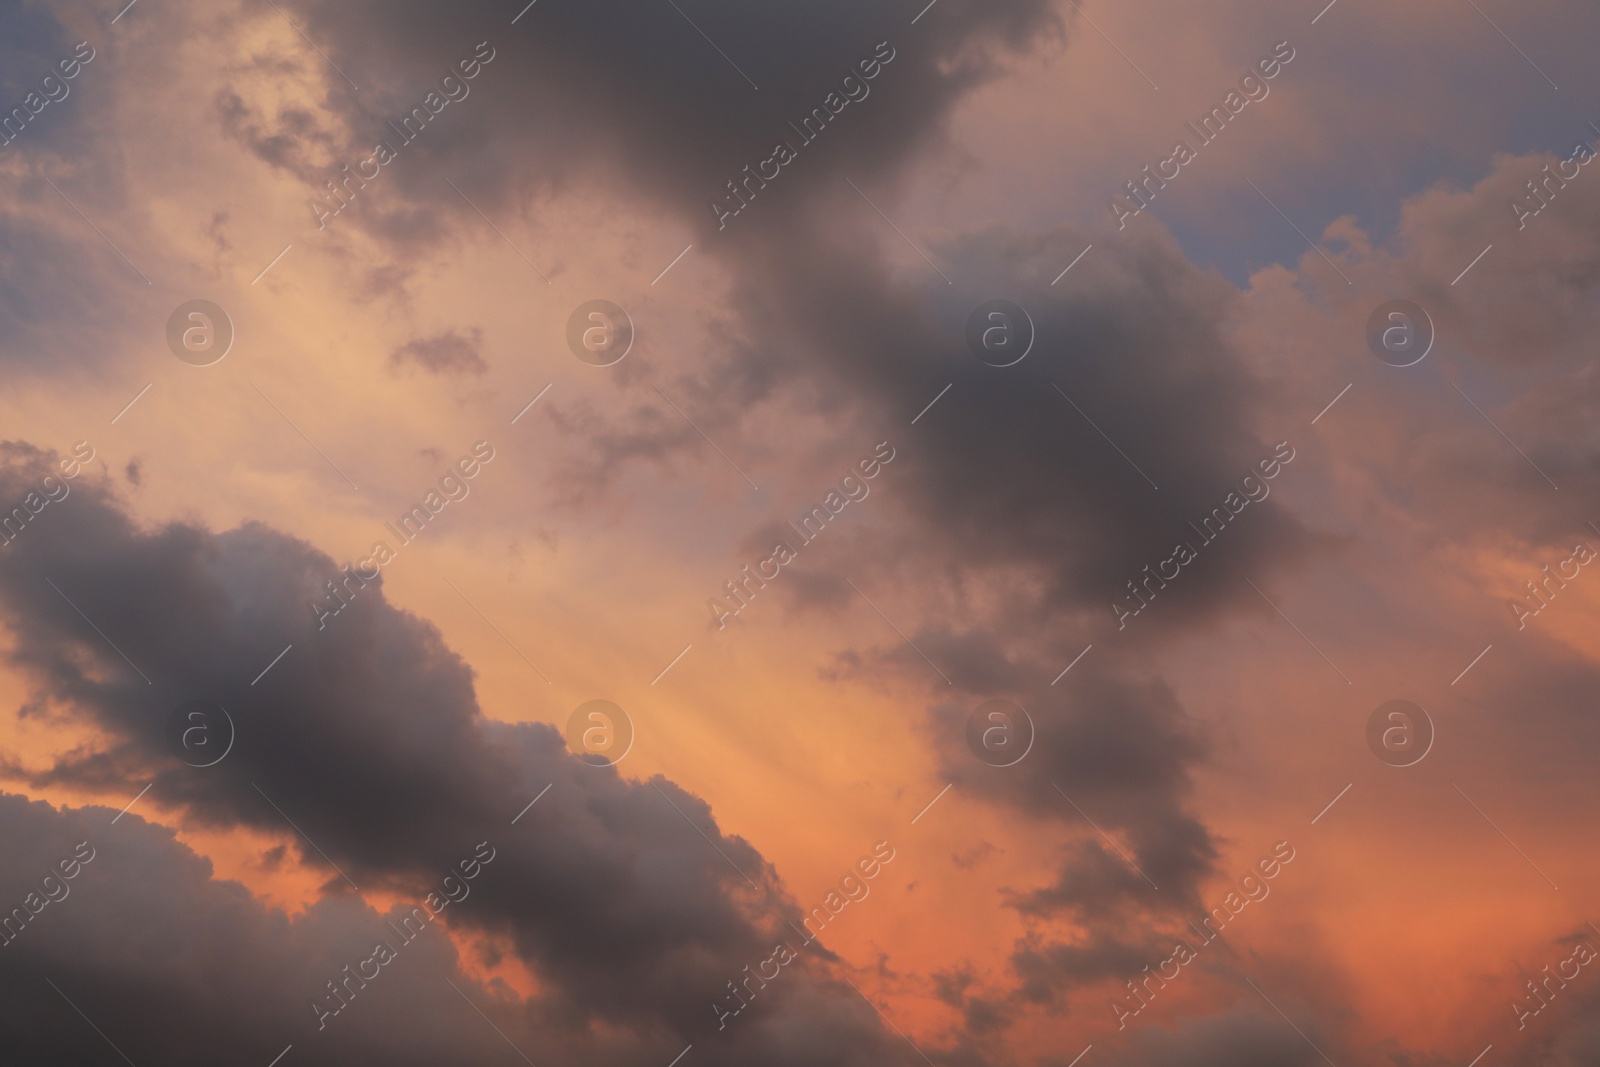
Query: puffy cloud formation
[[368, 738]]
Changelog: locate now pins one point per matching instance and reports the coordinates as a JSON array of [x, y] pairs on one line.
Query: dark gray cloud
[[1005, 471], [1118, 746], [628, 91], [368, 736], [1113, 753], [1006, 485], [175, 966]]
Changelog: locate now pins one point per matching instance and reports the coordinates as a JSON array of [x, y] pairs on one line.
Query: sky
[[678, 533]]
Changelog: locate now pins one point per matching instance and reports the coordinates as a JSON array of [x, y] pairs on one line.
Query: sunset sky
[[997, 463]]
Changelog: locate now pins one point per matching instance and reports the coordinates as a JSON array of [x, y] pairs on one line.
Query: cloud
[[1019, 508], [368, 736], [671, 121], [445, 353], [172, 965]]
